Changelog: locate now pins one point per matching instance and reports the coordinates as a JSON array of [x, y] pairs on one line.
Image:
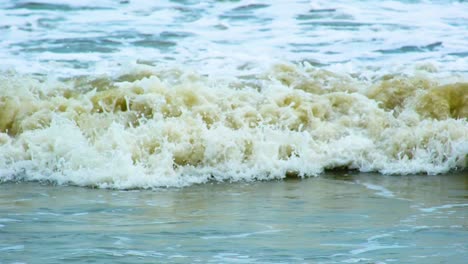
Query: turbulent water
[[301, 131], [132, 94]]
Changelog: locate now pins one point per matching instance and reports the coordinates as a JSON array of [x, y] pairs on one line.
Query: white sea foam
[[12, 248], [356, 260], [387, 94], [242, 235], [445, 206], [219, 38], [382, 191], [169, 127], [368, 248]]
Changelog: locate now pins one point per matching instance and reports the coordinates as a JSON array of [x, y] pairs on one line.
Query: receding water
[[335, 218], [219, 37]]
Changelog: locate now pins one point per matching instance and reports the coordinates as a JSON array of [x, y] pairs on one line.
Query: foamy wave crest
[[151, 128]]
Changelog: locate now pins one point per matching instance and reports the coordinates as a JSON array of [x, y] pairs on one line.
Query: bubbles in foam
[[155, 127]]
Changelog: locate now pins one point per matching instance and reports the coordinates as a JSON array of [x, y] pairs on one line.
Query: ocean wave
[[153, 127]]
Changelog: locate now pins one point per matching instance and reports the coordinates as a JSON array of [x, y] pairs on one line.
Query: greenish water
[[336, 218]]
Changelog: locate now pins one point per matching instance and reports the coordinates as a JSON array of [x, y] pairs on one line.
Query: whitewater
[[131, 94]]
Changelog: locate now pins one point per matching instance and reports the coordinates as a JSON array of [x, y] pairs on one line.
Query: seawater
[[159, 128], [224, 98], [333, 218]]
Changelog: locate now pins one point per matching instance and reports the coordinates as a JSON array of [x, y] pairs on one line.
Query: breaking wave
[[153, 127]]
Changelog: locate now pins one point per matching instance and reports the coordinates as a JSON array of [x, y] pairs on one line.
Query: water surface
[[335, 218], [204, 131]]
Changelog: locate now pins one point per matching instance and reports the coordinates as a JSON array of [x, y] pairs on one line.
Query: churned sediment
[[153, 127]]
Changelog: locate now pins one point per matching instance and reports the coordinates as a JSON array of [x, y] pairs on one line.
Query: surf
[[153, 126]]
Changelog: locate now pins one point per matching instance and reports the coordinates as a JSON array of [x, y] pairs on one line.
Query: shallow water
[[335, 218]]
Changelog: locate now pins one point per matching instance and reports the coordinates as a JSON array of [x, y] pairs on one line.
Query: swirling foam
[[151, 127]]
